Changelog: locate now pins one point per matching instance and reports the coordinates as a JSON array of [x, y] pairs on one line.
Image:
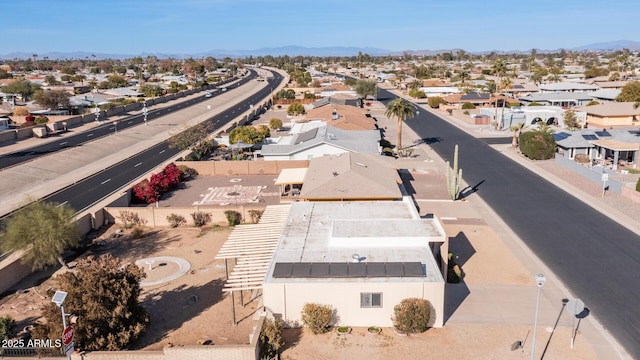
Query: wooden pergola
[[252, 247]]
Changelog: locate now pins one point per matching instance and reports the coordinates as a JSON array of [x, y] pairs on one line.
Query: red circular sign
[[67, 335]]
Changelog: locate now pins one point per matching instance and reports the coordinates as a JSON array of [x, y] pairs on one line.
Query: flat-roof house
[[605, 95], [559, 98], [321, 141], [612, 114], [360, 257], [567, 87]]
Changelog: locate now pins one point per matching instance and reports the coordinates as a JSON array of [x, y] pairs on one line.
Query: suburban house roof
[[568, 86], [350, 176], [557, 96], [610, 84], [611, 109], [362, 141], [123, 92], [366, 232], [606, 94], [615, 139], [348, 117]]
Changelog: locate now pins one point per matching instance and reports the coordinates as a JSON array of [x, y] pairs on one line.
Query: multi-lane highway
[[106, 128], [594, 256], [91, 190]]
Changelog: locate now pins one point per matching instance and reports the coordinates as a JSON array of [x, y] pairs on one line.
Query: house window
[[370, 300]]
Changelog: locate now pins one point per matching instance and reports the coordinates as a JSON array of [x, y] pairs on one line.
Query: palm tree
[[517, 128], [401, 110], [499, 68]]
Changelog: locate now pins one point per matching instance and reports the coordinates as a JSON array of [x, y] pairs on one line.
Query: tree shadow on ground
[[427, 141], [470, 189], [188, 301], [291, 337], [127, 247]]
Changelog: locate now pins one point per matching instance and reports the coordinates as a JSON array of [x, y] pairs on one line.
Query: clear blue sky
[[195, 26]]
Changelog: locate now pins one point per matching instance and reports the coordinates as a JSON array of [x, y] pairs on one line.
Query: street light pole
[[145, 111], [540, 280], [58, 299]]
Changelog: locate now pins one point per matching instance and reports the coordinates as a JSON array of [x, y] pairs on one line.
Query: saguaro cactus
[[454, 180]]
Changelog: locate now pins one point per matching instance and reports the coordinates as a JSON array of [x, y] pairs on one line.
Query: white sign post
[[605, 178]]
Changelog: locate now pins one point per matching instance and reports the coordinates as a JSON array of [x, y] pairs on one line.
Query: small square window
[[370, 300]]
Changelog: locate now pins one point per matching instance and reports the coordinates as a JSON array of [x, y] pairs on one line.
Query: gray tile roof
[[360, 141]]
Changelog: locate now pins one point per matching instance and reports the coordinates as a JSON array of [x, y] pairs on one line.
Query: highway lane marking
[[89, 135], [106, 181], [162, 151], [130, 122], [62, 143], [138, 164], [66, 202]]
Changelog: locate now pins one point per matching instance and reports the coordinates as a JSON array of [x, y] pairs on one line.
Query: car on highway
[[224, 89], [208, 94]]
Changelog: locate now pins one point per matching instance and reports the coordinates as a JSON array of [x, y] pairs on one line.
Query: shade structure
[[253, 247], [291, 176]]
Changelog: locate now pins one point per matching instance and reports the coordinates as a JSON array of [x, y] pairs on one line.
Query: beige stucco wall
[[153, 216], [288, 299], [212, 168], [609, 120]]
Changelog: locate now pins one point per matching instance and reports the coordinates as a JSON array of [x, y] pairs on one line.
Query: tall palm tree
[[401, 110], [498, 68], [517, 129]]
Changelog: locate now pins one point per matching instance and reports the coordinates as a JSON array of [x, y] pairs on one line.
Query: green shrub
[[537, 145], [593, 102], [271, 340], [412, 315], [466, 112], [468, 106], [201, 218], [416, 93], [233, 217], [296, 109], [255, 215], [7, 325], [638, 185], [41, 120], [533, 103], [514, 104], [317, 317], [435, 101], [387, 151], [176, 220], [188, 172]]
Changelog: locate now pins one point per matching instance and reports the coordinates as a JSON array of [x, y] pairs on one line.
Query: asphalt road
[[107, 128], [594, 256], [91, 190]]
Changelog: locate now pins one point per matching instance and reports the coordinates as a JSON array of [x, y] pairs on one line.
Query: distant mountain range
[[309, 51]]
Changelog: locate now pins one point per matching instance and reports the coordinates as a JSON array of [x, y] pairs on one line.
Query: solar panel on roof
[[589, 137], [339, 270], [357, 270], [603, 133], [560, 136], [348, 270], [301, 270], [320, 270], [413, 269], [376, 270], [394, 269], [282, 270]]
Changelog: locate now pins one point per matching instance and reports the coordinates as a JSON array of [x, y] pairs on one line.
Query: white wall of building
[[288, 299]]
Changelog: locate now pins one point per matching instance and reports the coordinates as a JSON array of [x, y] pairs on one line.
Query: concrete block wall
[[249, 167], [157, 217]]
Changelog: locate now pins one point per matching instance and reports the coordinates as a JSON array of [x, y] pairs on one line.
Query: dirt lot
[[181, 310]]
